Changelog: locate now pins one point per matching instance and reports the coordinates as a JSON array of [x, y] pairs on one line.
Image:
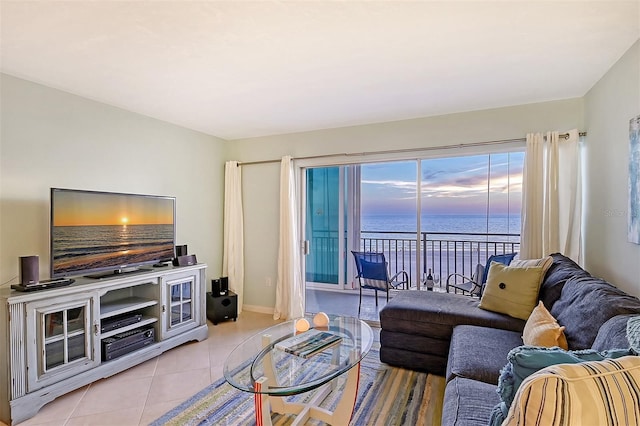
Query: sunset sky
[[77, 208], [454, 185]]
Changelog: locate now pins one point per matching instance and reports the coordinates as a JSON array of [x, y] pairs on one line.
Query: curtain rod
[[401, 151]]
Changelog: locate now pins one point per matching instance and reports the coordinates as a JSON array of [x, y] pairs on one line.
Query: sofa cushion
[[586, 304], [479, 353], [542, 329], [418, 361], [434, 314], [613, 334], [414, 352], [468, 402], [512, 291], [557, 275], [545, 262], [589, 393]]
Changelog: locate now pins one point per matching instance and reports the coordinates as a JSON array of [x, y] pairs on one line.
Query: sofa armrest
[[594, 392]]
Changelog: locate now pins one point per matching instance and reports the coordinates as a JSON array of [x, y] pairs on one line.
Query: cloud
[[448, 184]]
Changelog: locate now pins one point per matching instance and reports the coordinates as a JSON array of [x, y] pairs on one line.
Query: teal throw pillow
[[633, 333]]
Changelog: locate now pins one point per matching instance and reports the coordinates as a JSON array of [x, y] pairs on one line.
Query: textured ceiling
[[238, 69]]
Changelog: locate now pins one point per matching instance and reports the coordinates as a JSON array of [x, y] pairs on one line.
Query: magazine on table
[[309, 343]]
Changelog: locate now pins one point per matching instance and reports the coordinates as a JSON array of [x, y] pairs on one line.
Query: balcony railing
[[444, 253]]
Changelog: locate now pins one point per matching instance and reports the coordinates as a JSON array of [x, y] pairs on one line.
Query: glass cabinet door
[[65, 342], [180, 304], [65, 334]]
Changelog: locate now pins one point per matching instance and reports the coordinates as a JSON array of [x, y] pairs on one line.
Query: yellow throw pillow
[[542, 329], [511, 291], [545, 262]]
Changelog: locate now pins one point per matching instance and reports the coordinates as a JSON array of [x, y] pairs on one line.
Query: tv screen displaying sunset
[[93, 231]]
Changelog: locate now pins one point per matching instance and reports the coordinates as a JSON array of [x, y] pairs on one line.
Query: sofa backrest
[[557, 275], [585, 304]]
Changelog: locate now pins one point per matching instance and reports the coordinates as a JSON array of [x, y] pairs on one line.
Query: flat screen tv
[[105, 232]]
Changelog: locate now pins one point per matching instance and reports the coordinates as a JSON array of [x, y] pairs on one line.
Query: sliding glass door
[[470, 209], [466, 208], [331, 225], [389, 214]]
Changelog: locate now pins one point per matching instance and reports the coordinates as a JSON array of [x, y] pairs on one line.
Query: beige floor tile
[[146, 369], [190, 356], [153, 411], [216, 373], [125, 417], [106, 395], [44, 423], [58, 410], [179, 385]]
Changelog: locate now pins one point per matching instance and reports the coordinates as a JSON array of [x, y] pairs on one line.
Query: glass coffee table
[[261, 366]]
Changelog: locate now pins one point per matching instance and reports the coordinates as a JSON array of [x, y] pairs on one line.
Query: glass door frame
[[347, 190], [416, 155]]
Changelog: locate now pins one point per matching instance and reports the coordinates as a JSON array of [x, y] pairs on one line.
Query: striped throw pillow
[[589, 393]]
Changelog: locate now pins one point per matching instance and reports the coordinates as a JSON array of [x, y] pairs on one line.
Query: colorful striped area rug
[[386, 396]]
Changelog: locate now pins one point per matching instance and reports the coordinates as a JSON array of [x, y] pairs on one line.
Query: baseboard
[[258, 309]]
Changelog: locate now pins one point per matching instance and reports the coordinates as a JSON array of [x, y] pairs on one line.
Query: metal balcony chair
[[468, 285], [473, 285], [373, 273]]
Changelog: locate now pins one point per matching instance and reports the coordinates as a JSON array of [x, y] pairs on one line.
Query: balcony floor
[[346, 303]]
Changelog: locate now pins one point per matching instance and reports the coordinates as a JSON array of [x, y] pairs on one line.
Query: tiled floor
[[141, 394]]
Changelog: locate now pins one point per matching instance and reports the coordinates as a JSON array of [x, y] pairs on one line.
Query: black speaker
[[215, 288], [224, 285], [29, 270]]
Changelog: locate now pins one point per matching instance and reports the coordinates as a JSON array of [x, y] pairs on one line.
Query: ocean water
[[448, 248], [455, 223], [92, 247]]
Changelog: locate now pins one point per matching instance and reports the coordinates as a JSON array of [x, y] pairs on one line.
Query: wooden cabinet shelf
[[124, 306]]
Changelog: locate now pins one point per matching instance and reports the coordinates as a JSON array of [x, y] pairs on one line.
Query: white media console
[[54, 340]]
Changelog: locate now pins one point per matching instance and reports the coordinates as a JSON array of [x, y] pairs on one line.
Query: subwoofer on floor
[[221, 308]]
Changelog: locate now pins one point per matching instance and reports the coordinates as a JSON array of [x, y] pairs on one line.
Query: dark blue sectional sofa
[[448, 335]]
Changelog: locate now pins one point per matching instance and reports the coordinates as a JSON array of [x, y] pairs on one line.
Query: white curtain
[[289, 287], [552, 197], [233, 240]]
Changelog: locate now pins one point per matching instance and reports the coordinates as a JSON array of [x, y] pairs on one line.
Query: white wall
[[609, 106], [260, 182], [51, 138]]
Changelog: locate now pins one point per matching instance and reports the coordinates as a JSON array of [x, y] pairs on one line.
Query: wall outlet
[[268, 282]]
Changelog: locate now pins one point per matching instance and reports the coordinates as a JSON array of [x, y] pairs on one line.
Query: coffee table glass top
[[295, 374]]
